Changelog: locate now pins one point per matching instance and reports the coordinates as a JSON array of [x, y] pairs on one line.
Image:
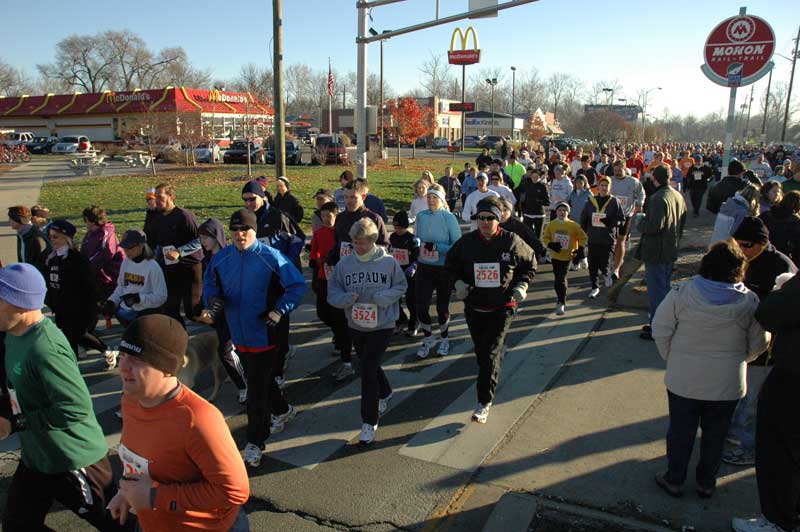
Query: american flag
[[330, 80]]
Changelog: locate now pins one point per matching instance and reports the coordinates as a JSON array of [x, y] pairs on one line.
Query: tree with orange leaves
[[411, 120]]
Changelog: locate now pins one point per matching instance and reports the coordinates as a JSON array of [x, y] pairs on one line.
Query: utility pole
[[277, 90], [513, 89], [791, 82], [749, 107], [492, 83], [766, 110], [381, 107]]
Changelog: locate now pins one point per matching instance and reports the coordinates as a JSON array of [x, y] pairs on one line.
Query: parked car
[[72, 144], [207, 153], [41, 144], [440, 142], [390, 142], [470, 141], [237, 153], [293, 155], [330, 151], [15, 138], [490, 141], [419, 143]]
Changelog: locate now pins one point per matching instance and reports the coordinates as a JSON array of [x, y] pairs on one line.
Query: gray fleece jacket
[[379, 284]]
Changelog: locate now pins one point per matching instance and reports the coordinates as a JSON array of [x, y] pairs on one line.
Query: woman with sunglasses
[[492, 269]]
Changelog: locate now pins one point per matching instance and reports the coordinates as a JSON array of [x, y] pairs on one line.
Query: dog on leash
[[201, 354]]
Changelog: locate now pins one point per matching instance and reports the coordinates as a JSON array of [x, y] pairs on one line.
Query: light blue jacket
[[439, 227]]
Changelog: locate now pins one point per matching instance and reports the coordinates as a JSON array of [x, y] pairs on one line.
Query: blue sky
[[640, 44]]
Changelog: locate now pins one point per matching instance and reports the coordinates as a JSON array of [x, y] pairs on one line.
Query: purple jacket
[[102, 249]]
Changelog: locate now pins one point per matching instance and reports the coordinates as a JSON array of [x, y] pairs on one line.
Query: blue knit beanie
[[23, 286]]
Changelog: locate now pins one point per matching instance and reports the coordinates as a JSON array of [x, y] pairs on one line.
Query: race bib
[[133, 465], [623, 202], [54, 277], [169, 249], [429, 256], [487, 274], [15, 408], [597, 219], [345, 249], [401, 256], [563, 239], [365, 315], [697, 175]]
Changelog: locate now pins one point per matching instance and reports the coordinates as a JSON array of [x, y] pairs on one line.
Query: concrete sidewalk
[[583, 457]]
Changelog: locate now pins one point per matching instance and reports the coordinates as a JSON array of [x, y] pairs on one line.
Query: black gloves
[[131, 299], [109, 308], [579, 254], [215, 307], [555, 246], [265, 316]]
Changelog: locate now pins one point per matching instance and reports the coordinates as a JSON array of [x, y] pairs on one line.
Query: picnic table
[[89, 163], [134, 158]]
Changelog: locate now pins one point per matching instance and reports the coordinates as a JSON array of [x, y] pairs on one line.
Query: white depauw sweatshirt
[[144, 278]]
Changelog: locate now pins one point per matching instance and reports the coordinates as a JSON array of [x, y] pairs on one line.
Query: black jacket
[[532, 198], [526, 233], [706, 173], [779, 313], [606, 234], [279, 230], [70, 288], [289, 204], [726, 188], [505, 251], [784, 232], [33, 248], [765, 268], [344, 221]]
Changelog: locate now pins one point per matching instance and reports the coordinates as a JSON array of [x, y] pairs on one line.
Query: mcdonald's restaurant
[[113, 117]]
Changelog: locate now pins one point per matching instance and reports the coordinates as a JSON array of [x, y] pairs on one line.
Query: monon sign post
[[738, 52]]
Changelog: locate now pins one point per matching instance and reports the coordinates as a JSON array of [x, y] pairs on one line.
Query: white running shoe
[[609, 281], [118, 414], [281, 382], [481, 413], [594, 293], [278, 423], [546, 259], [444, 347], [252, 455], [110, 356], [573, 267], [761, 524], [560, 308], [584, 265], [383, 404], [427, 344], [242, 396], [367, 433], [345, 371]]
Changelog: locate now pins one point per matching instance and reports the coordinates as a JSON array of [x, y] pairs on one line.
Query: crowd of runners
[[374, 277]]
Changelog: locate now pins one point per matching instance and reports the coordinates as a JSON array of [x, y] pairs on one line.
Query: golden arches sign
[[464, 56], [214, 96]]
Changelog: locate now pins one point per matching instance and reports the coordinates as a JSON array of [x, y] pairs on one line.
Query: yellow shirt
[[568, 233]]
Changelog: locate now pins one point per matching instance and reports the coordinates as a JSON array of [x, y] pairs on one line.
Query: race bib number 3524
[[365, 315]]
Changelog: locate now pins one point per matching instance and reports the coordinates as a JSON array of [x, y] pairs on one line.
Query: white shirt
[[504, 192], [471, 205], [417, 206]]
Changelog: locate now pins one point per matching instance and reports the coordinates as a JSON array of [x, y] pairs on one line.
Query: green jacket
[[662, 227], [62, 433], [516, 172]]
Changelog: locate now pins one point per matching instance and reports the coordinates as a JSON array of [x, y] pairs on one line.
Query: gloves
[[555, 246], [216, 305], [269, 318], [411, 270], [109, 308], [579, 254], [430, 246], [131, 299], [462, 289], [519, 293]]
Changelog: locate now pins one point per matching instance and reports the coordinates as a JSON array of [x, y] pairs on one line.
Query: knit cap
[[23, 286], [400, 219], [253, 187], [158, 340], [63, 227], [752, 229]]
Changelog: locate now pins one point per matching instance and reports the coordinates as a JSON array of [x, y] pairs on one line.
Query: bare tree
[[13, 81], [436, 75], [530, 94], [560, 87], [80, 64], [254, 79]]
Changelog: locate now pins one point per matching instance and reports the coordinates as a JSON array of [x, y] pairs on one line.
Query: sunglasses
[[250, 199], [240, 228], [486, 218]]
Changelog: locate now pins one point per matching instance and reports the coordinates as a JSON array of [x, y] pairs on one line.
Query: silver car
[[72, 144]]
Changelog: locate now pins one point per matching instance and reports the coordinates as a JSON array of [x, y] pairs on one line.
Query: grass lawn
[[215, 191]]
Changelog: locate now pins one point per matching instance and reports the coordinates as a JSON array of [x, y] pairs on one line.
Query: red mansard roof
[[169, 99]]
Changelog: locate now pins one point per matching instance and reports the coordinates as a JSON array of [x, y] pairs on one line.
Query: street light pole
[[644, 107], [513, 94], [492, 82], [791, 82], [766, 109], [277, 91], [749, 107]]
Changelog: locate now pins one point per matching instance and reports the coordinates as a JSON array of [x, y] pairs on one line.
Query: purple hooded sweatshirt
[[102, 249]]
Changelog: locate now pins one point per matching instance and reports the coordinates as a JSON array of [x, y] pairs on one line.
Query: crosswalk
[[538, 345]]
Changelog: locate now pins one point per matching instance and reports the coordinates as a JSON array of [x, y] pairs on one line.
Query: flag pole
[[330, 99]]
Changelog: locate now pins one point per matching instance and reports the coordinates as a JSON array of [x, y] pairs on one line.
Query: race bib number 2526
[[487, 274]]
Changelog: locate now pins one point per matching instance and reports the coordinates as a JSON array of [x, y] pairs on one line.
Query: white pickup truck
[[15, 138]]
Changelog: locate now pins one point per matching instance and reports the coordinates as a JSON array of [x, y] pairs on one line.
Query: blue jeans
[[658, 277], [743, 425]]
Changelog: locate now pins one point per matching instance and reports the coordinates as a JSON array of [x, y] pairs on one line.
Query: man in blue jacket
[[239, 280]]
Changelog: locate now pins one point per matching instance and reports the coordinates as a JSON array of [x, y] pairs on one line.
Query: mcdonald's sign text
[[464, 56]]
